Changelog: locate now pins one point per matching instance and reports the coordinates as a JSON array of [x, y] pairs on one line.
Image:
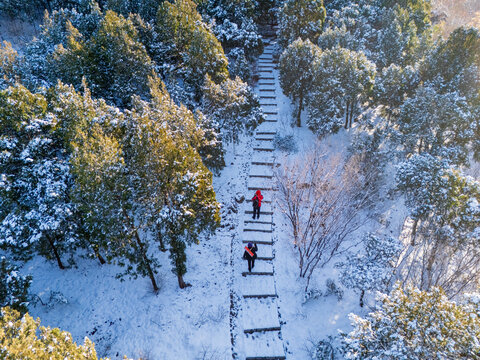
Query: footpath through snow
[[255, 319]]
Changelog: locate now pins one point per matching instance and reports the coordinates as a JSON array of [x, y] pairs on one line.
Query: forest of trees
[[114, 118]]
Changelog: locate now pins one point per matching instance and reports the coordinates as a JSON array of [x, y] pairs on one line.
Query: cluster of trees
[[22, 337], [111, 122], [80, 174], [388, 56]]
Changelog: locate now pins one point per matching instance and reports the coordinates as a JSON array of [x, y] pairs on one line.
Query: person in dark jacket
[[250, 255], [257, 203]]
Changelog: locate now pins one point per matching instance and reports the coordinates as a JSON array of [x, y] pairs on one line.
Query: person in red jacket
[[257, 203]]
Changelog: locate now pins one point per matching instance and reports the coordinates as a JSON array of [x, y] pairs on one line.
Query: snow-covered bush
[[373, 269], [411, 324], [333, 289], [13, 286], [285, 143], [324, 350]]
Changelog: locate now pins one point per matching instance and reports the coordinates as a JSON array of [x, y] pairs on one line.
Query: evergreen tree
[[105, 198], [300, 19], [412, 324], [193, 47], [233, 106], [343, 80], [439, 124], [296, 71], [173, 190], [22, 337], [445, 210], [8, 64], [372, 270], [114, 62], [13, 286], [36, 214], [393, 86]]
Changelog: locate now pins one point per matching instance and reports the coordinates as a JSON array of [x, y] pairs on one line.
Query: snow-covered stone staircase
[[259, 318]]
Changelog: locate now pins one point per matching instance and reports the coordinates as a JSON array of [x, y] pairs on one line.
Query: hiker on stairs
[[257, 203], [250, 255]]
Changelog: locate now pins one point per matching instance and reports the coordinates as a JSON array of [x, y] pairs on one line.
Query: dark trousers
[[256, 210], [251, 264]]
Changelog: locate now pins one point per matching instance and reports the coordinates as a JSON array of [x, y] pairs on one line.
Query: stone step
[[264, 139], [264, 346], [258, 230], [261, 170], [266, 83], [271, 112], [251, 308], [269, 71], [261, 157], [267, 90], [266, 133], [249, 227], [261, 267], [261, 176], [267, 97], [262, 286], [265, 242], [266, 77], [265, 104], [259, 184]]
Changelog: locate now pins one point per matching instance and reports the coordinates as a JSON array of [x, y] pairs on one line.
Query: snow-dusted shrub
[[373, 269], [285, 143], [312, 294], [13, 286], [333, 289], [411, 324], [324, 350]]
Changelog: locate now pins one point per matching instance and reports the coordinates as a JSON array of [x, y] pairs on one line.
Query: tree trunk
[[414, 232], [300, 108], [362, 294], [162, 243], [151, 275], [101, 259], [346, 115], [55, 252], [181, 283]]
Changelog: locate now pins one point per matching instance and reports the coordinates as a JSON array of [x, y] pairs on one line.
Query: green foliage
[[343, 79], [297, 71], [113, 61], [36, 214], [412, 324], [19, 340], [8, 60], [13, 287], [301, 19], [435, 123], [193, 46], [233, 106]]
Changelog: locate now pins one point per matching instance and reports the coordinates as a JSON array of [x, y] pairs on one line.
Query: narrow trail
[[255, 323]]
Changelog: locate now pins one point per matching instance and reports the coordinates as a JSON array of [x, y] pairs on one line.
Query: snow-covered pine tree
[[393, 86], [343, 80], [8, 64], [13, 286], [233, 106], [436, 123], [113, 61], [193, 48], [234, 24], [445, 209], [36, 214], [410, 324], [22, 337], [172, 189], [296, 71], [300, 19], [372, 270]]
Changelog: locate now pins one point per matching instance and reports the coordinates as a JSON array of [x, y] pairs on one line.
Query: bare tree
[[322, 198], [435, 260]]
